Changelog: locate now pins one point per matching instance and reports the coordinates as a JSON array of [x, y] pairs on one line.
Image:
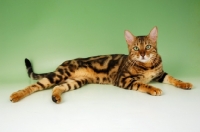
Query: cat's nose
[[142, 55]]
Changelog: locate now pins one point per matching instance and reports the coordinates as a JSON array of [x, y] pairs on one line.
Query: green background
[[49, 32]]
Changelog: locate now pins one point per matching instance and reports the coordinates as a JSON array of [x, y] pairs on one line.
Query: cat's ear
[[129, 37], [153, 35]]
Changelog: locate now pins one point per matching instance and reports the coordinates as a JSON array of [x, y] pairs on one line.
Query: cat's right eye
[[136, 48]]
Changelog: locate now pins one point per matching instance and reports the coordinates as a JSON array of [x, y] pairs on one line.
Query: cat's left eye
[[148, 47], [136, 48]]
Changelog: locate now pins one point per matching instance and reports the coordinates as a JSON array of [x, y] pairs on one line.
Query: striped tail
[[31, 73]]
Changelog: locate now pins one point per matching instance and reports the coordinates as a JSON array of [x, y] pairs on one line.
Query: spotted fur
[[133, 71]]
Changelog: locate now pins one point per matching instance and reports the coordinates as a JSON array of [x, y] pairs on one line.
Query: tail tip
[[27, 62]]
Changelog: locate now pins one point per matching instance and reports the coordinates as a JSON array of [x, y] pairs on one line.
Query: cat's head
[[142, 48]]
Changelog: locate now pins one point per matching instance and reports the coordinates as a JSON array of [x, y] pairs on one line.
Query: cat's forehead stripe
[[141, 39]]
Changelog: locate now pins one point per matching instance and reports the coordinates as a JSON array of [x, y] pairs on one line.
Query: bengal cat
[[133, 71]]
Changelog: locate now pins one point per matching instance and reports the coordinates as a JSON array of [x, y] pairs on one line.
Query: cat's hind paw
[[16, 96], [56, 99]]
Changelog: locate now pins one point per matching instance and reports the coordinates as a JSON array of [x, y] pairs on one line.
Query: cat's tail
[[31, 73]]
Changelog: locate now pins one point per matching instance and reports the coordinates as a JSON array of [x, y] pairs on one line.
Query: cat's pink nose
[[142, 55]]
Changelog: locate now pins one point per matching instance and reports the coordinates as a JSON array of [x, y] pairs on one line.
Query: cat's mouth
[[144, 58]]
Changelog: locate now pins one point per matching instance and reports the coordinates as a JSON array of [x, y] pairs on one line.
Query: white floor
[[102, 108]]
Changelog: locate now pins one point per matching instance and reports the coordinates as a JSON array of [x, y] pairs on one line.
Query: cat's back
[[100, 61], [100, 69]]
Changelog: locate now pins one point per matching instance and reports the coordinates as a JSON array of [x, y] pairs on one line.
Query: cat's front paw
[[154, 91], [184, 85], [16, 96]]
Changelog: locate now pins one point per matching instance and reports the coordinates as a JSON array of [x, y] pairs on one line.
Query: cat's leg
[[42, 84], [165, 78], [68, 85], [145, 88], [132, 84]]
